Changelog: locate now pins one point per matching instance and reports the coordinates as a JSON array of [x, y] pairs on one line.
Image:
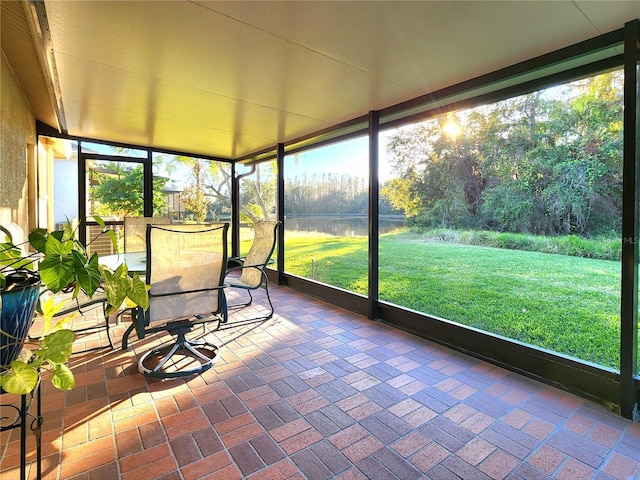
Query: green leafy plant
[[62, 264]]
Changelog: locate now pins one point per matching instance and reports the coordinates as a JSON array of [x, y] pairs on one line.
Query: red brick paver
[[318, 392]]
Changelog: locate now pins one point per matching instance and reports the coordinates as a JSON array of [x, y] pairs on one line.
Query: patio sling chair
[[135, 231], [251, 269], [135, 240], [185, 271]]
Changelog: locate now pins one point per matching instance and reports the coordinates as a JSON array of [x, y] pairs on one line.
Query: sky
[[349, 157]]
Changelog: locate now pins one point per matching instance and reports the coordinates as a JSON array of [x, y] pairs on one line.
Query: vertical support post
[[33, 214], [147, 187], [37, 430], [235, 212], [82, 196], [24, 412], [48, 187], [374, 211], [630, 214], [280, 212]]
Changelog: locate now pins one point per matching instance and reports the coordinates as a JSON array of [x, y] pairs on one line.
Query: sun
[[452, 129]]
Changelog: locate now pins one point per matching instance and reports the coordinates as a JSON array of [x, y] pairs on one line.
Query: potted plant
[[60, 263]]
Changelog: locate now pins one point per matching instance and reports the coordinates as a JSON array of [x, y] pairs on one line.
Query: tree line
[[549, 162], [330, 194]]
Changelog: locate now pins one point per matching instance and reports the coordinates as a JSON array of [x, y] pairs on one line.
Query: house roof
[[229, 78]]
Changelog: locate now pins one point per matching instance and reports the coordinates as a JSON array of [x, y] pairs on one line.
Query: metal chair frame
[[153, 362], [250, 263]]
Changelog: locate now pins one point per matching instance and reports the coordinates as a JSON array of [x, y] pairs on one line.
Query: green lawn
[[563, 303]]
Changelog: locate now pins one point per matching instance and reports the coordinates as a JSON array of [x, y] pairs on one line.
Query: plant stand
[[20, 420]]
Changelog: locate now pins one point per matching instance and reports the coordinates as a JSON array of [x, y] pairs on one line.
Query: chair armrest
[[258, 265], [71, 304], [234, 262], [184, 292]]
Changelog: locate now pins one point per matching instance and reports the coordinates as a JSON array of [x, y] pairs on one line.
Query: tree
[[209, 191], [119, 191], [209, 185], [258, 193], [328, 194], [548, 162], [443, 181], [590, 174], [193, 196]]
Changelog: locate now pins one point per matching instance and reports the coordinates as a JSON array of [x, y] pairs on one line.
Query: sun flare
[[452, 129]]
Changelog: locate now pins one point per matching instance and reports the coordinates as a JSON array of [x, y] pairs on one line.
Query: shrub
[[602, 248]]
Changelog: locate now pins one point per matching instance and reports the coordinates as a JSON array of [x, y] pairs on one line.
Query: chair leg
[[125, 337], [250, 298], [265, 285], [153, 363], [170, 351], [236, 305], [266, 289], [97, 328], [138, 324], [106, 324]]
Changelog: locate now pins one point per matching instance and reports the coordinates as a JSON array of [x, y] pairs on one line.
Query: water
[[340, 226]]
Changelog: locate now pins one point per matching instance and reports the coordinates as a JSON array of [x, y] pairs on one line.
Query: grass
[[603, 248], [565, 303]]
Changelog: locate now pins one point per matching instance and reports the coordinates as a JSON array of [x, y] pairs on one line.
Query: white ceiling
[[230, 78]]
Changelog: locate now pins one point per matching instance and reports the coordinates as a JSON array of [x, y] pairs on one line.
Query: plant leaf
[[87, 272], [63, 378], [56, 269], [113, 238], [38, 239], [139, 292], [57, 346], [21, 379], [99, 221]]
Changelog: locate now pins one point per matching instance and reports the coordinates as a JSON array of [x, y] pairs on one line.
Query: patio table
[[136, 261]]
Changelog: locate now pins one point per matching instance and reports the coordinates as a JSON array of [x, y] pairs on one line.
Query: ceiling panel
[[230, 78], [418, 44]]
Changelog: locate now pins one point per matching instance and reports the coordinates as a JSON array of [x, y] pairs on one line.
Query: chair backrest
[[135, 231], [185, 268], [264, 243]]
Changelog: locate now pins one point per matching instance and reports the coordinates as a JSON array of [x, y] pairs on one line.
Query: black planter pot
[[16, 316]]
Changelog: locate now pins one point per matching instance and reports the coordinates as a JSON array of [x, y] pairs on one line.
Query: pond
[[340, 226]]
